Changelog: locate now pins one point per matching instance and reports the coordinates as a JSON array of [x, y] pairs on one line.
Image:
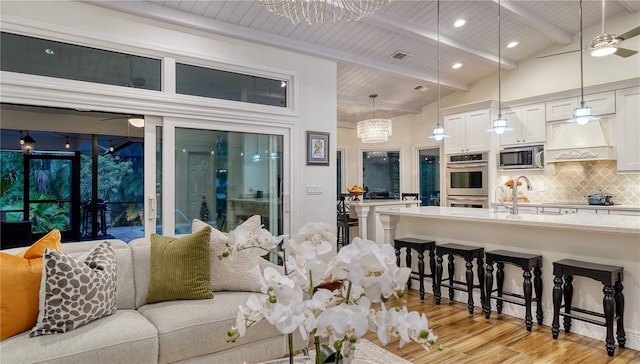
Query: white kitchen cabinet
[[627, 126], [532, 210], [468, 132], [561, 109], [594, 211], [602, 103], [528, 123]]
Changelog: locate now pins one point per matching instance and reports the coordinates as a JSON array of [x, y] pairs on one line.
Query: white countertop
[[389, 202], [583, 222], [576, 205]]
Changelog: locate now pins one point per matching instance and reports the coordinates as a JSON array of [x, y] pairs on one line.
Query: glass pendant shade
[[604, 50], [374, 130], [499, 125], [438, 133], [318, 11], [582, 115]]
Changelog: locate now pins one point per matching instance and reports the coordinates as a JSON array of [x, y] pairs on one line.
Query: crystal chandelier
[[317, 11], [582, 115], [374, 130]]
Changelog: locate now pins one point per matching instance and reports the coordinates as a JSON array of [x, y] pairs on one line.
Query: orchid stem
[[290, 339], [316, 341]]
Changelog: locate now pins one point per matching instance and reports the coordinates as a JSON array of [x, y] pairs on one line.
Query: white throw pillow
[[240, 273]]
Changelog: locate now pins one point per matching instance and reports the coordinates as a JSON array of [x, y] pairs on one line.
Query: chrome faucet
[[496, 200], [514, 208]]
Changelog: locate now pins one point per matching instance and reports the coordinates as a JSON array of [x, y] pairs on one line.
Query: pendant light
[[582, 115], [374, 130], [256, 157], [67, 145], [499, 125], [21, 141], [29, 144], [438, 131]]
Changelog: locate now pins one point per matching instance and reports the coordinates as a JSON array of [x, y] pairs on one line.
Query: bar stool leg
[[567, 290], [407, 259], [398, 259], [432, 266], [488, 279], [537, 286], [526, 285], [437, 293], [480, 262], [421, 272], [500, 280], [450, 268], [619, 297], [469, 265], [609, 303], [557, 302]]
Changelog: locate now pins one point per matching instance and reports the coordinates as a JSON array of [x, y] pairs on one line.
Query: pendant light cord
[[581, 64], [438, 113], [499, 67]]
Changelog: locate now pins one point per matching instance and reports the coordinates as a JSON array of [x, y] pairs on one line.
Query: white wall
[[314, 99]]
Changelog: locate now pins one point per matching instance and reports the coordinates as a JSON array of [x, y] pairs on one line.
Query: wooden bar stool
[[468, 253], [420, 245], [524, 261], [613, 301], [344, 221]]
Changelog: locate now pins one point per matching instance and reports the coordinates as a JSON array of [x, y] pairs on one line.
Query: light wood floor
[[501, 339]]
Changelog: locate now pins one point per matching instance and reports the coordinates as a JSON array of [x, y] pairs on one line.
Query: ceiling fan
[[606, 43]]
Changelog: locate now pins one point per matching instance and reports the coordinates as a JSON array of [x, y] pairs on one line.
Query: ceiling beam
[[535, 21], [380, 105], [626, 5], [173, 16], [402, 27]]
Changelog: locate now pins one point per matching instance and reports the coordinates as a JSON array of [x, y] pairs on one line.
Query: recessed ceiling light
[[49, 51], [459, 23], [512, 44], [456, 66]]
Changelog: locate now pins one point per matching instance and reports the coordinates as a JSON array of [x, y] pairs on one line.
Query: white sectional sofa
[[181, 331]]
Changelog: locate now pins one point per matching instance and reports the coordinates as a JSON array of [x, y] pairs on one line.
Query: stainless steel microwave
[[531, 157]]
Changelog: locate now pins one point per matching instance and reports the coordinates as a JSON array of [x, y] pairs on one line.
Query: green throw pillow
[[180, 267]]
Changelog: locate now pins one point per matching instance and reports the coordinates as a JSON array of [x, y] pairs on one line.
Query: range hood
[[573, 142]]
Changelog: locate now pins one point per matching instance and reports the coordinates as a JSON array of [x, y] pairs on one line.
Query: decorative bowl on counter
[[356, 191]]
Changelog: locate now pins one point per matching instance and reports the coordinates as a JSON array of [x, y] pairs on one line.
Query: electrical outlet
[[541, 186]]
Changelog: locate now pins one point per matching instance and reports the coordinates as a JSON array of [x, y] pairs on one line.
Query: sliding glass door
[[217, 173]]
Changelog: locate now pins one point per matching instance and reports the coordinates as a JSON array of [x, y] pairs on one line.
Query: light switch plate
[[314, 190]]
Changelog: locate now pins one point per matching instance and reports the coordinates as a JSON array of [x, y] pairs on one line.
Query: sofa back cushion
[[125, 294], [141, 252]]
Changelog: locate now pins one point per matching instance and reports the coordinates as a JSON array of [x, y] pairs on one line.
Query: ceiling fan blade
[[557, 54], [623, 52], [630, 34]]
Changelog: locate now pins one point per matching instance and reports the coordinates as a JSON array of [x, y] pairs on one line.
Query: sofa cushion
[[239, 272], [124, 337], [125, 293], [76, 292], [199, 327], [20, 277], [179, 267]]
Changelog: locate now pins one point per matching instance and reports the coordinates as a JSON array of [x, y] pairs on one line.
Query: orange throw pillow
[[20, 277]]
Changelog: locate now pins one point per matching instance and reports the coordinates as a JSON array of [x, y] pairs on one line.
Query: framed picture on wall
[[317, 148]]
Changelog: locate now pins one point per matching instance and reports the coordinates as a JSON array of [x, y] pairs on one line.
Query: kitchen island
[[604, 239], [365, 211]]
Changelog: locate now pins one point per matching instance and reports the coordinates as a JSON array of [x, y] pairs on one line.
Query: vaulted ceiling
[[364, 49]]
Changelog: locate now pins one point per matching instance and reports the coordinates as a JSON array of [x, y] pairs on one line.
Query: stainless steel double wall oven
[[468, 180]]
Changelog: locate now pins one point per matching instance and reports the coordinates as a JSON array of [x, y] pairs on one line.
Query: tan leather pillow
[[20, 285]]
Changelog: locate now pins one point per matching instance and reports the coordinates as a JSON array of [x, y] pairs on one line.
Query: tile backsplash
[[573, 181]]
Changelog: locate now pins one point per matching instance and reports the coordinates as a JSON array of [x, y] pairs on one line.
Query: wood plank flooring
[[501, 339]]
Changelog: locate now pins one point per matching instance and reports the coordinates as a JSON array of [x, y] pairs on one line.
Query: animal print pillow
[[74, 293]]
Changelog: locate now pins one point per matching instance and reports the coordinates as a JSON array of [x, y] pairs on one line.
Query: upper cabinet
[[627, 127], [602, 103], [468, 132], [528, 123]]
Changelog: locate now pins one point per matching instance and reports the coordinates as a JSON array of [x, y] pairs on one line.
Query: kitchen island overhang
[[604, 239]]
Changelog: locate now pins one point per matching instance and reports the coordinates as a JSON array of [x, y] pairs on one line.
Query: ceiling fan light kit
[[318, 11], [136, 122]]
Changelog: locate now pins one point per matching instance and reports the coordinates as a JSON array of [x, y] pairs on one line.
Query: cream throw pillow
[[240, 273]]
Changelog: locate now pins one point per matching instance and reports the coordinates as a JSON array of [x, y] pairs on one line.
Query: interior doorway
[[429, 166]]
